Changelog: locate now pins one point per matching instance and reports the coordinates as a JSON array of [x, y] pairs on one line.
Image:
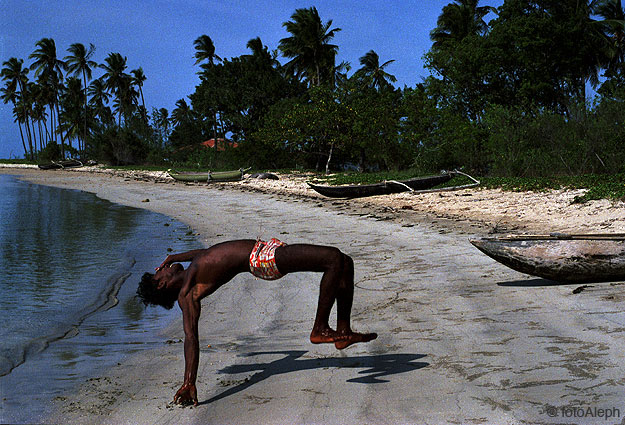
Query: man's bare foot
[[343, 341], [324, 336]]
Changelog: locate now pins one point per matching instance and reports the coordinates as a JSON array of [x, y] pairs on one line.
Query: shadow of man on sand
[[375, 367]]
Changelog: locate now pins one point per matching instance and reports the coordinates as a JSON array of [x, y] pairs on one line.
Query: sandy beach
[[463, 339]]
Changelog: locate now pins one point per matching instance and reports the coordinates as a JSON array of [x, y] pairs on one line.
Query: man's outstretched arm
[[191, 310], [183, 257]]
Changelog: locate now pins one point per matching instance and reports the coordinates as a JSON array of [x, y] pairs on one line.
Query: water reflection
[[62, 254]]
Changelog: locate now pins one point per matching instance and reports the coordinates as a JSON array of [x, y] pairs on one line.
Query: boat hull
[[71, 163], [563, 259], [210, 176], [384, 188]]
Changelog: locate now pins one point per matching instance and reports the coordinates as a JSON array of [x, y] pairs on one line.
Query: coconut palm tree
[[45, 96], [16, 78], [138, 78], [613, 15], [373, 73], [126, 101], [459, 20], [8, 94], [205, 50], [161, 121], [116, 80], [49, 68], [72, 118], [99, 98], [79, 63], [182, 113], [312, 55], [38, 113]]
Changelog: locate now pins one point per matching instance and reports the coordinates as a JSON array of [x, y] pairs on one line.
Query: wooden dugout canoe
[[383, 188], [56, 165], [560, 257], [210, 176]]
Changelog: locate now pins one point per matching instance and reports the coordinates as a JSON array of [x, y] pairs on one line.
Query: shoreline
[[469, 210], [72, 346], [461, 346]]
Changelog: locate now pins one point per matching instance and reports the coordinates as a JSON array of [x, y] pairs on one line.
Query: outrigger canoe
[[383, 188], [560, 257], [55, 165], [210, 176]]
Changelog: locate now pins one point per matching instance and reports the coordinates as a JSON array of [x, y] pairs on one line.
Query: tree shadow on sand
[[375, 367]]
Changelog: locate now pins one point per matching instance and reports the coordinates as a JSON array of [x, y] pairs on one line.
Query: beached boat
[[560, 257], [210, 176], [55, 165], [383, 188]]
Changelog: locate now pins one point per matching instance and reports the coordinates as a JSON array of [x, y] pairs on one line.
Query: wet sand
[[462, 338]]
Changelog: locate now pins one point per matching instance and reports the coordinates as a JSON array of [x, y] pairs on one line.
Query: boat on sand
[[560, 257], [382, 188], [210, 176], [57, 165]]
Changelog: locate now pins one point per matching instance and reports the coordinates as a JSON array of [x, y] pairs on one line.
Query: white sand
[[462, 338]]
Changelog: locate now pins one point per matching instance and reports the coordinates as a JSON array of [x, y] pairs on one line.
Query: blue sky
[[158, 36]]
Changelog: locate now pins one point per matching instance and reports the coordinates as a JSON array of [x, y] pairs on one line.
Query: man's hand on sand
[[187, 394]]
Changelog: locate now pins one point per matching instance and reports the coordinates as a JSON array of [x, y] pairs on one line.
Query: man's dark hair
[[149, 294]]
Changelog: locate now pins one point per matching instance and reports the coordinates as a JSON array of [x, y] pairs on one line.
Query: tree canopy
[[507, 94]]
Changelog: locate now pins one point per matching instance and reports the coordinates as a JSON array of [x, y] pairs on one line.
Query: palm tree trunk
[[84, 136], [41, 135], [329, 158], [22, 136], [47, 133], [29, 136], [143, 112], [34, 134], [58, 128]]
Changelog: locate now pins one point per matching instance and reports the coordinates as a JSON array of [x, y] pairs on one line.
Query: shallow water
[[69, 267]]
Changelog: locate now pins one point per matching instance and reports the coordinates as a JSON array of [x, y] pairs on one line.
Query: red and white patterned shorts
[[263, 259]]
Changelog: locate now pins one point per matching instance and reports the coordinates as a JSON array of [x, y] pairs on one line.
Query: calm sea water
[[69, 267]]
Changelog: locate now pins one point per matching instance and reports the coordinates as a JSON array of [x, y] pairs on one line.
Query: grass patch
[[17, 161], [599, 186]]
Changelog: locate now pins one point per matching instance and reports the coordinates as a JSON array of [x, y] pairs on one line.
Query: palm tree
[[45, 96], [161, 122], [309, 46], [613, 15], [8, 94], [116, 80], [99, 98], [16, 77], [38, 112], [50, 69], [205, 50], [459, 20], [373, 73], [72, 115], [138, 78], [79, 62], [182, 113], [27, 99], [340, 73]]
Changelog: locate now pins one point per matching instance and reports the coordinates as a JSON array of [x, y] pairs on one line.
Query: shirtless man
[[213, 267]]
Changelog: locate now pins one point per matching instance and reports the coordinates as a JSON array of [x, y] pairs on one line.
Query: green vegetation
[[604, 186], [506, 98]]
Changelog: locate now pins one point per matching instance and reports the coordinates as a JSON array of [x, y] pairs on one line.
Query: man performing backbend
[[213, 267]]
